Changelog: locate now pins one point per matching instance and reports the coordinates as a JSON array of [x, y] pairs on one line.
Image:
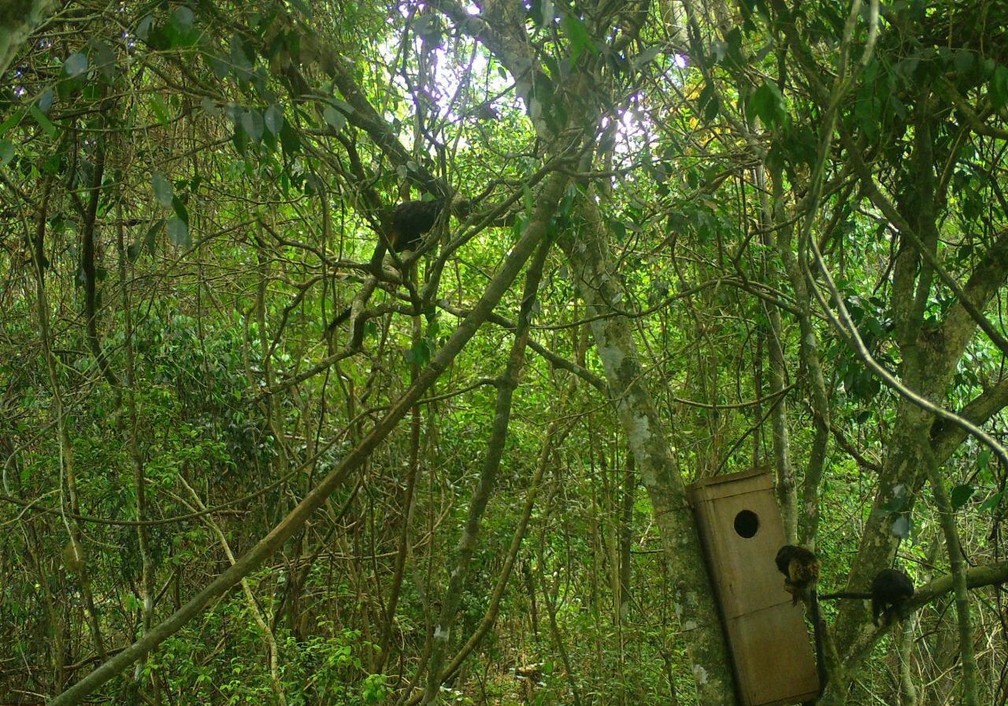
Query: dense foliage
[[681, 240]]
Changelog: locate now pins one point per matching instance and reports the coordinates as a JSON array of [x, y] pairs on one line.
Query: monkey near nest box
[[890, 589], [800, 567]]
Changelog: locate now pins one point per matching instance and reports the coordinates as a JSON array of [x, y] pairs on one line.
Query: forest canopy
[[362, 352]]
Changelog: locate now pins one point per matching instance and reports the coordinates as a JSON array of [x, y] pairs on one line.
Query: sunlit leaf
[[273, 117], [252, 124], [578, 35], [178, 232], [75, 64], [900, 527], [46, 99], [210, 107], [334, 119], [183, 16], [163, 191]]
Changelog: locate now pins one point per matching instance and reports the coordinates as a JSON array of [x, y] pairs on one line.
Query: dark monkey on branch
[[800, 567], [410, 220], [890, 589], [406, 226]]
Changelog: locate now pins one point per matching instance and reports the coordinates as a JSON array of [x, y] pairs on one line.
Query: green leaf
[[540, 12], [767, 104], [998, 88], [163, 191], [983, 460], [304, 8], [273, 117], [51, 165], [992, 502], [252, 124], [178, 232], [619, 230], [420, 354], [144, 27], [900, 527], [647, 56], [963, 60], [75, 64], [160, 110], [961, 495], [240, 57], [334, 119], [13, 119], [150, 239], [708, 102], [45, 100], [6, 152], [45, 123], [183, 17], [180, 209], [900, 495], [210, 107], [341, 105], [578, 35], [289, 139], [218, 64], [103, 59], [180, 30]]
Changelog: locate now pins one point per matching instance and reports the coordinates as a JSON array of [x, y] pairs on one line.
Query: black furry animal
[[410, 220], [405, 229], [800, 567], [890, 589]]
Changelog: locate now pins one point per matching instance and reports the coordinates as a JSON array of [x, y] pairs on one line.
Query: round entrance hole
[[747, 524]]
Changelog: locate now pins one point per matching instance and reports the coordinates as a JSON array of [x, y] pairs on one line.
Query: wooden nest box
[[741, 530]]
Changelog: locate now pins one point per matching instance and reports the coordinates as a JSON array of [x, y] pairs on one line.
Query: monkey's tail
[[845, 594], [340, 318], [819, 635]]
